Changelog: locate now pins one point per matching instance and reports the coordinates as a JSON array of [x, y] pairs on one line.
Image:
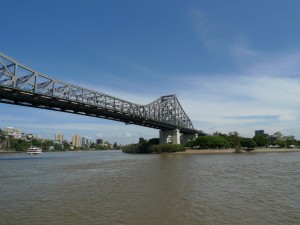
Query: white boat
[[34, 150]]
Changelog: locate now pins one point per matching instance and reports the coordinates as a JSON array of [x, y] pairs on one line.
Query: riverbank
[[7, 151], [227, 151]]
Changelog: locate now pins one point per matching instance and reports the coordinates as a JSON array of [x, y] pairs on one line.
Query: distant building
[[43, 139], [13, 132], [83, 142], [259, 132], [59, 137], [76, 140], [100, 141], [23, 136], [88, 143], [30, 136]]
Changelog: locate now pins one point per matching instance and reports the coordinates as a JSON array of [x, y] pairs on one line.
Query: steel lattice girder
[[24, 86]]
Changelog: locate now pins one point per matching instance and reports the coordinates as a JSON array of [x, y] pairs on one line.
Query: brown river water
[[111, 187]]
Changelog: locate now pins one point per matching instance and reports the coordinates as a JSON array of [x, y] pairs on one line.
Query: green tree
[[36, 142], [190, 144], [2, 135], [261, 140], [204, 142], [142, 140], [235, 141], [278, 135], [248, 143], [281, 143], [151, 146], [115, 146], [219, 142], [19, 145], [154, 141], [57, 147], [290, 140], [46, 144], [66, 145]]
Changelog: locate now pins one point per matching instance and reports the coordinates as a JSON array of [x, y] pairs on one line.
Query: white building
[[13, 132], [31, 136]]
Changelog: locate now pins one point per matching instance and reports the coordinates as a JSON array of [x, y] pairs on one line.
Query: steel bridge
[[20, 85]]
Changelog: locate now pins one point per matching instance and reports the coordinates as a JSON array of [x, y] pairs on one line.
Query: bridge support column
[[175, 137], [170, 136], [187, 137]]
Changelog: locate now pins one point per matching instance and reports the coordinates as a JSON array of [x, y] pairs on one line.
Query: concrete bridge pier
[[175, 137], [169, 136], [187, 137]]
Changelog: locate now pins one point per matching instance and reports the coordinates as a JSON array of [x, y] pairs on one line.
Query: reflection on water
[[114, 188]]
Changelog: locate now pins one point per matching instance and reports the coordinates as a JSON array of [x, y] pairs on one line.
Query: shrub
[[170, 148], [147, 147]]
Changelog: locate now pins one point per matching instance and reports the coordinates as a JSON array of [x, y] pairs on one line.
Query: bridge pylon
[[175, 137]]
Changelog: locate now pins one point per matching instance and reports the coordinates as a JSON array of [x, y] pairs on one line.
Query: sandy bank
[[224, 151]]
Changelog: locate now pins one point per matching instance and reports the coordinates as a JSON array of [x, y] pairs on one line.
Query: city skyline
[[233, 67], [76, 140]]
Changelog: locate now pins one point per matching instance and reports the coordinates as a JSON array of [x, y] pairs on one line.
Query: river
[[111, 187]]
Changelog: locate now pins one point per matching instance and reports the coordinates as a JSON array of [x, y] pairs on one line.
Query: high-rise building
[[83, 142], [76, 140], [59, 137], [259, 132]]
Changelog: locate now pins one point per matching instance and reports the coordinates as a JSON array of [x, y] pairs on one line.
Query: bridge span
[[20, 85]]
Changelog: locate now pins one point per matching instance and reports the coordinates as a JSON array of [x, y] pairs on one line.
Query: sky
[[234, 65]]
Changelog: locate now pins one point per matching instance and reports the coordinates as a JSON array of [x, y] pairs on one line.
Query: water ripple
[[116, 188]]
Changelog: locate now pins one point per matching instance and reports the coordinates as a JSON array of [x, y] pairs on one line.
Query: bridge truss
[[21, 85]]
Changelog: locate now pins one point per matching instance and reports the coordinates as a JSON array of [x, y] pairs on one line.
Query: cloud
[[9, 118], [253, 117], [262, 90], [243, 56], [263, 95], [99, 135], [280, 64]]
